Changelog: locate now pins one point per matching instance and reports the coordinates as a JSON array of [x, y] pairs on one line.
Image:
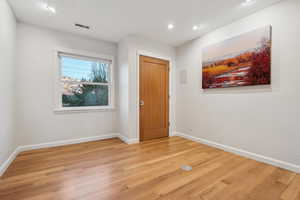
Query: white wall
[[131, 46], [258, 119], [36, 121], [123, 71], [7, 84]]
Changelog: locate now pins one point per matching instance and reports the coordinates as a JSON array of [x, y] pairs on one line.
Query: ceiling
[[112, 20]]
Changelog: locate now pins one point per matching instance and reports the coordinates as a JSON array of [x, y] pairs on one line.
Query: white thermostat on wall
[[183, 77]]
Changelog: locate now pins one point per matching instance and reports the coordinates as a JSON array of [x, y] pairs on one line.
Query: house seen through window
[[86, 82]]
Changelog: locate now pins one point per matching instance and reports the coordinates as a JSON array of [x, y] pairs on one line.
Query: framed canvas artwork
[[240, 61]]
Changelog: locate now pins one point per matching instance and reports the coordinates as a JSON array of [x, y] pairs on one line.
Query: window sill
[[84, 110]]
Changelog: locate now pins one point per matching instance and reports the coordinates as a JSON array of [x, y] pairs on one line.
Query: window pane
[[73, 69], [80, 95]]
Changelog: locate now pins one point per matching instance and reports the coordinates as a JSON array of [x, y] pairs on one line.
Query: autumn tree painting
[[241, 61]]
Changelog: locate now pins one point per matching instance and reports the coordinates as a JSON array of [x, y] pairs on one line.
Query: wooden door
[[154, 98]]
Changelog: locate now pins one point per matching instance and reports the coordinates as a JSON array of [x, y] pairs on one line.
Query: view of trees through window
[[85, 82]]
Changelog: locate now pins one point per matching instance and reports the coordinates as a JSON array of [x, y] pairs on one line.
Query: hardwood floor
[[110, 169]]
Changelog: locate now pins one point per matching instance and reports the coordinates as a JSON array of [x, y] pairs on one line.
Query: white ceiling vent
[[82, 26]]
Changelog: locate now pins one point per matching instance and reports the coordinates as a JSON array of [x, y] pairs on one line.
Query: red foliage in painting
[[206, 80], [260, 71]]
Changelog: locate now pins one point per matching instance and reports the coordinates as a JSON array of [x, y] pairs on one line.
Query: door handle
[[142, 103]]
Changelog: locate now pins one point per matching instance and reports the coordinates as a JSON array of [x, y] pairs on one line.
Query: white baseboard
[[20, 149], [254, 156], [268, 160], [171, 134], [10, 159], [66, 142], [128, 141]]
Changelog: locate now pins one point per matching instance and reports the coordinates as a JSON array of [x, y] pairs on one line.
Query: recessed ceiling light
[[248, 2], [197, 27], [49, 8], [171, 26]]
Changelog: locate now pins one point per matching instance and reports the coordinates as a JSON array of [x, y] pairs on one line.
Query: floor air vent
[[186, 168]]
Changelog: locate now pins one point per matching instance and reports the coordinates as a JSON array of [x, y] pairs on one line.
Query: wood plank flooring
[[110, 169]]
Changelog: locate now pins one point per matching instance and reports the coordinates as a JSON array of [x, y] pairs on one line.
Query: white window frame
[[58, 89]]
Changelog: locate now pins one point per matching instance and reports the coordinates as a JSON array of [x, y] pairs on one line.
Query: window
[[85, 82]]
